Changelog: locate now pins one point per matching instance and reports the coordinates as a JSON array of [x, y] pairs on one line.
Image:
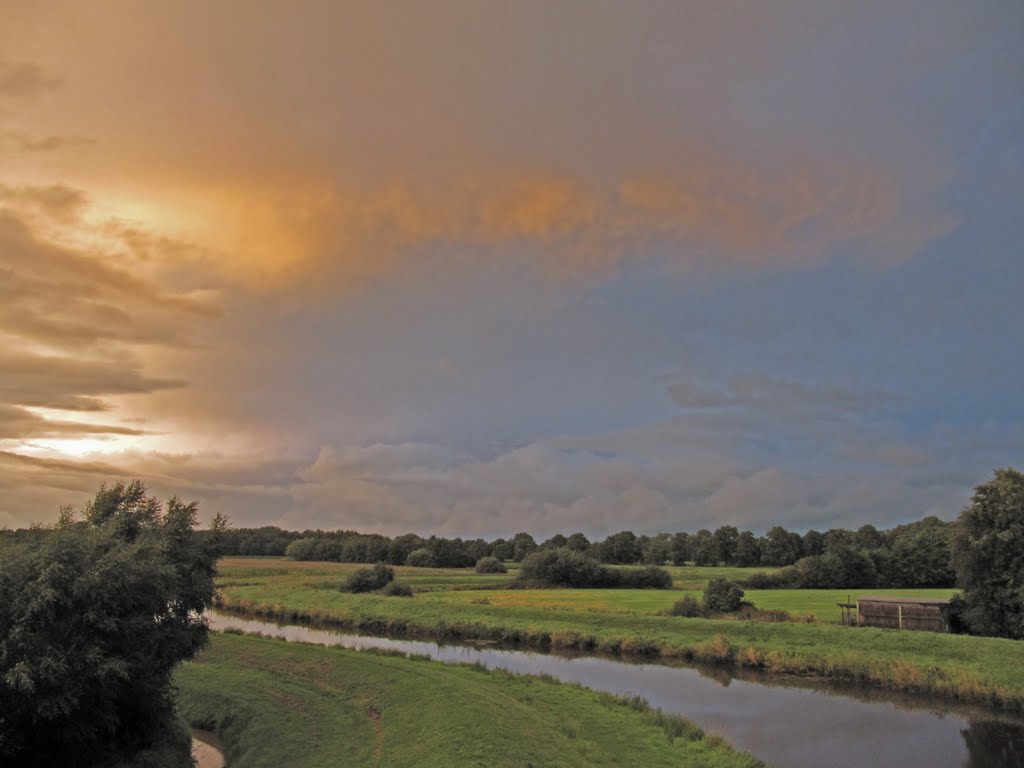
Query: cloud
[[78, 318], [70, 383], [24, 143], [65, 296], [778, 396], [251, 489], [21, 423], [23, 80]]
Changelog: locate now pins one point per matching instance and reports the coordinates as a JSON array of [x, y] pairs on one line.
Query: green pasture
[[276, 703], [632, 621]]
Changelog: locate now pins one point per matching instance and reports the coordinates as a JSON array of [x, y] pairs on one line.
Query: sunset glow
[[477, 268]]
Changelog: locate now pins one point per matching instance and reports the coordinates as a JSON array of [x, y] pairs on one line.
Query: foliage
[[420, 558], [563, 567], [523, 546], [567, 568], [648, 577], [978, 669], [396, 589], [688, 607], [95, 614], [988, 553], [784, 578], [841, 567], [913, 555], [722, 596], [490, 565], [370, 579]]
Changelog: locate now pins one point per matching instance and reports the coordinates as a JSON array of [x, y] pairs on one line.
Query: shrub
[[370, 579], [420, 558], [300, 549], [648, 577], [490, 565], [564, 567], [722, 596], [987, 549], [95, 614], [688, 607], [568, 568], [785, 578], [397, 589]]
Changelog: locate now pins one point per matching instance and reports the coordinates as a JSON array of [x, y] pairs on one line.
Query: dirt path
[[207, 749], [378, 728]]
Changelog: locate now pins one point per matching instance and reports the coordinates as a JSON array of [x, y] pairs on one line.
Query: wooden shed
[[924, 613]]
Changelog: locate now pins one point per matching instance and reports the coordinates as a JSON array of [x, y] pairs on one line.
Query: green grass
[[285, 704], [987, 670]]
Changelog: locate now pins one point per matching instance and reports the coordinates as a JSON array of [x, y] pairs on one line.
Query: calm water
[[792, 723]]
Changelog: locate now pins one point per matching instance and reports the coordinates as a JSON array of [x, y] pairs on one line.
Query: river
[[792, 723]]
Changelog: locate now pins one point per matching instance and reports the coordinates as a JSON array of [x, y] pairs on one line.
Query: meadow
[[275, 703], [458, 604]]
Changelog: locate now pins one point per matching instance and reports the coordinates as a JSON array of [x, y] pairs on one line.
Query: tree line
[[918, 554]]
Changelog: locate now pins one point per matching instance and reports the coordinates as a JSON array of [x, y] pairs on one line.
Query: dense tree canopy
[[95, 613], [988, 552]]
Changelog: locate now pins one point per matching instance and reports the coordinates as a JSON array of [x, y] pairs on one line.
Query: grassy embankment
[[986, 670], [285, 704]]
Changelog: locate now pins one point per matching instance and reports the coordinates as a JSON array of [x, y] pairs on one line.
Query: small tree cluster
[[566, 567], [370, 579], [95, 614], [988, 550], [490, 565], [722, 596]]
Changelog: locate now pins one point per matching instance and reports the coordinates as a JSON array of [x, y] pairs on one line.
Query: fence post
[[899, 609]]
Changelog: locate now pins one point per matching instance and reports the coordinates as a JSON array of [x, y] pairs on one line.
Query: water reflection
[[793, 722]]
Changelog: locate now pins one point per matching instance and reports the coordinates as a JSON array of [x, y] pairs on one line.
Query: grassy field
[[462, 586], [987, 670], [283, 704]]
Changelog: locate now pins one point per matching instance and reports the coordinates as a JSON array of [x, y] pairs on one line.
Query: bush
[[722, 596], [648, 577], [567, 568], [420, 558], [490, 565], [370, 579], [563, 567], [785, 578], [95, 614], [688, 607], [987, 550], [397, 589]]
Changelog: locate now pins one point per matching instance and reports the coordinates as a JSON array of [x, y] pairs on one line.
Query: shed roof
[[903, 600]]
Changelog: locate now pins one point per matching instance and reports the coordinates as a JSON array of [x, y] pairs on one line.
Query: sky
[[471, 268]]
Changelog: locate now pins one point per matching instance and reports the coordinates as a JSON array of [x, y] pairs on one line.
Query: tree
[[988, 555], [780, 547], [522, 545], [621, 548], [704, 548], [555, 542], [813, 543], [867, 538], [657, 549], [748, 550], [578, 542], [726, 538], [722, 596], [95, 614], [420, 558], [680, 548]]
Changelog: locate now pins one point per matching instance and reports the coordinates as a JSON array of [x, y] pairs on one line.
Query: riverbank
[[283, 704], [988, 671]]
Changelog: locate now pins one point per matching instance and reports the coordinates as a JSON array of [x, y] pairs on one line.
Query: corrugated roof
[[904, 600]]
